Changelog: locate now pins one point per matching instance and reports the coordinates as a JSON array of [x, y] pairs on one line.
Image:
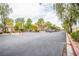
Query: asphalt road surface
[[33, 44]]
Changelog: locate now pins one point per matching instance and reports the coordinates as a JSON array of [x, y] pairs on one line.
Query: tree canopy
[[68, 13], [9, 22], [5, 10]]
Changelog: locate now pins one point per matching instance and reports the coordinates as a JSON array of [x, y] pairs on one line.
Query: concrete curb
[[74, 46], [69, 46], [10, 34]]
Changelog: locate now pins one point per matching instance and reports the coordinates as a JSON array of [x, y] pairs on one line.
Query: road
[[33, 44]]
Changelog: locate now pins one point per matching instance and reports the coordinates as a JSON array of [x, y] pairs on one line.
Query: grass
[[75, 36]]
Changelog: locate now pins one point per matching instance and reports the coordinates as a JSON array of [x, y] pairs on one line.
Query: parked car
[[50, 30]]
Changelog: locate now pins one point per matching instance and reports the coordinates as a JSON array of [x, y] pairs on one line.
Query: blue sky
[[34, 11]]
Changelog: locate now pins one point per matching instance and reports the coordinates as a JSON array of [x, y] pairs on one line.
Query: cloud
[[52, 17], [24, 10], [34, 11]]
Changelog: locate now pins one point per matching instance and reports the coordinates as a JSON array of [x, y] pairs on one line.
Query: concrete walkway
[[72, 47]]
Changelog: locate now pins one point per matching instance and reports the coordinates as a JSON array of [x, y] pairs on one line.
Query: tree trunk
[[70, 25], [70, 28], [4, 28], [76, 26]]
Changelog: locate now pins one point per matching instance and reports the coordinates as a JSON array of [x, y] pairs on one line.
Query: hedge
[[75, 36]]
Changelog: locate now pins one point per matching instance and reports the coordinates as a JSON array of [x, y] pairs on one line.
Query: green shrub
[[75, 36]]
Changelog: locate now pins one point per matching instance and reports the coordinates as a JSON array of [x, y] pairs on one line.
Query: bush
[[75, 36]]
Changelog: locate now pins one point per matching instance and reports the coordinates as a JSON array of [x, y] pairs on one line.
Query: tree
[[8, 21], [1, 25], [41, 24], [1, 28], [65, 25], [19, 26], [77, 13], [34, 28], [28, 24], [29, 21], [8, 24], [48, 24], [4, 12], [40, 21], [55, 28], [67, 12]]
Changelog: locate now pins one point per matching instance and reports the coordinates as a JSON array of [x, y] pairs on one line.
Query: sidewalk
[[10, 34], [72, 47]]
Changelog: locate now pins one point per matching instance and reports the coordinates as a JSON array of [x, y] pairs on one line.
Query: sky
[[34, 11]]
